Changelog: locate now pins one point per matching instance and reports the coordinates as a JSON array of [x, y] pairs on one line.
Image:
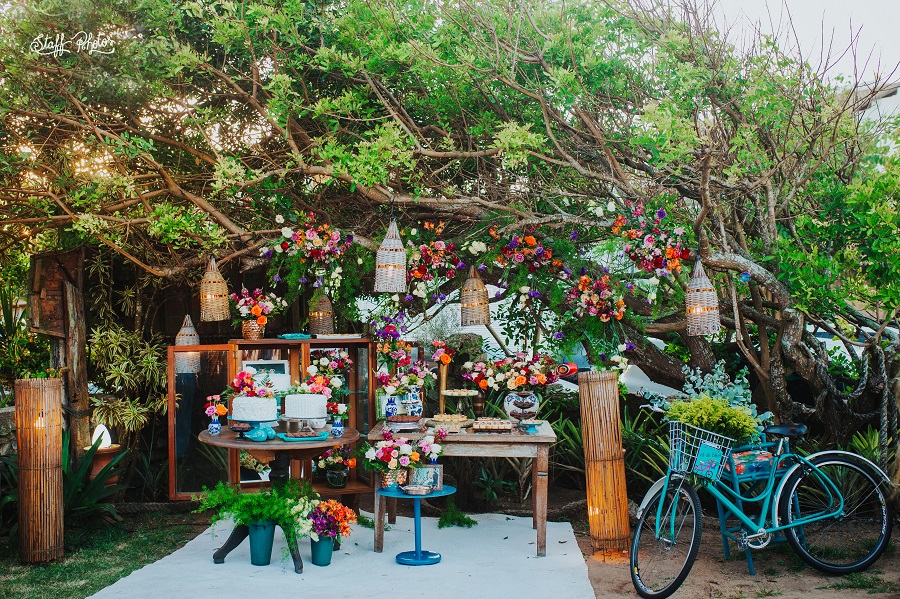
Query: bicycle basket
[[698, 451]]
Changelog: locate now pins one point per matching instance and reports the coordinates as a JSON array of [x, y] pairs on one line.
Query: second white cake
[[308, 406]]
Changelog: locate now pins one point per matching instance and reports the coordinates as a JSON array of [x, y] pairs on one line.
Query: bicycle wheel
[[854, 539], [659, 565]]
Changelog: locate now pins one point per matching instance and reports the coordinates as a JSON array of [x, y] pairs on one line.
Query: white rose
[[491, 381], [611, 206], [279, 219], [342, 408], [468, 365], [435, 448], [324, 362], [278, 249], [370, 453], [287, 232], [413, 231], [359, 260], [598, 211], [395, 298], [524, 289], [406, 449], [390, 389], [616, 358], [337, 382], [312, 369], [653, 281], [489, 372], [404, 379], [621, 347]]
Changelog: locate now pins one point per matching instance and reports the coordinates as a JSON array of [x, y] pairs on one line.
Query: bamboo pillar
[[604, 461], [39, 434]]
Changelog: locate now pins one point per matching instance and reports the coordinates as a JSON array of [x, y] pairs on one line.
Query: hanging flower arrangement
[[596, 297], [431, 261], [311, 253], [527, 250], [652, 248]]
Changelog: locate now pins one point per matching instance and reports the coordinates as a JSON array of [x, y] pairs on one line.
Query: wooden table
[[490, 445], [280, 455]]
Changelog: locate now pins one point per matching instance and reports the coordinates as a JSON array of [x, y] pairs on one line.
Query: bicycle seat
[[785, 430]]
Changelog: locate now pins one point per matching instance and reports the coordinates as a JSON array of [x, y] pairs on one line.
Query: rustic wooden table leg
[[379, 523], [392, 510], [238, 534], [534, 486], [541, 466]]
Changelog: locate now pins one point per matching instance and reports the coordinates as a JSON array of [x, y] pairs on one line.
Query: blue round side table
[[419, 557]]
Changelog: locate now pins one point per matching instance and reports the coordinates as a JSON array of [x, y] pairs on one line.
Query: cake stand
[[254, 425]]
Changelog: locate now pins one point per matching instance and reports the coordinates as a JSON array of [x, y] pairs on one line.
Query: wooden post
[[604, 460], [39, 435], [76, 360]]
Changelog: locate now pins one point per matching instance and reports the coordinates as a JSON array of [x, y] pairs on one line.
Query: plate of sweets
[[452, 423], [401, 423], [492, 425]]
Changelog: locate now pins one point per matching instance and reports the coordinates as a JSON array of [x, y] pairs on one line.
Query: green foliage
[[567, 454], [491, 485], [715, 415], [452, 516], [22, 354], [646, 444]]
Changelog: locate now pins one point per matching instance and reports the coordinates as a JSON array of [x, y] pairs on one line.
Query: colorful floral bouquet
[[336, 458], [518, 373], [389, 345], [300, 510], [652, 249], [417, 374], [333, 364], [430, 259], [391, 454], [390, 384], [442, 353], [317, 384], [244, 384], [215, 407], [311, 251], [430, 447], [337, 410], [331, 518], [525, 248], [255, 305], [596, 297]]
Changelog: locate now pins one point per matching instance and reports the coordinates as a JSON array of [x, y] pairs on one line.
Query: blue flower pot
[[215, 427], [322, 550], [262, 537]]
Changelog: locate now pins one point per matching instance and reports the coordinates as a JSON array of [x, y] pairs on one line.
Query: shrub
[[715, 415]]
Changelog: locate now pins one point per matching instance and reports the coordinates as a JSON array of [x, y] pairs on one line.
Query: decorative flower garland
[[652, 249], [312, 252]]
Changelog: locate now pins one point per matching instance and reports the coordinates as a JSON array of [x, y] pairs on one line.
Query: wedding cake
[[308, 406], [249, 409]]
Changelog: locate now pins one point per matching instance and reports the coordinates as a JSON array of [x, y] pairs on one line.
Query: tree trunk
[[76, 360], [702, 356]]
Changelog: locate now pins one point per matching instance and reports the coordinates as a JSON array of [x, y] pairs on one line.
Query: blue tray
[[319, 437], [294, 336]]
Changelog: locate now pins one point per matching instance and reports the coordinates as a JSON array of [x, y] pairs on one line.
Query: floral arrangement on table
[[518, 373], [251, 463], [338, 411], [329, 519], [430, 261], [214, 406], [255, 306], [388, 329], [390, 454], [317, 383], [390, 384], [417, 374], [336, 458], [443, 354], [596, 297], [430, 447], [244, 384], [311, 251], [651, 248], [333, 364]]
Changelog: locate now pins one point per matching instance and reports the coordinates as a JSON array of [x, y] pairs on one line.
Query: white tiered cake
[[308, 406], [250, 409]]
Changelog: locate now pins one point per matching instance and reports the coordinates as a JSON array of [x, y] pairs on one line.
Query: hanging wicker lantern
[[213, 295], [321, 316], [187, 362], [390, 263], [474, 308], [702, 304]]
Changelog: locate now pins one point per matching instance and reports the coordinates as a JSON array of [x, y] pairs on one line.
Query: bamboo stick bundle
[[604, 461], [39, 434]]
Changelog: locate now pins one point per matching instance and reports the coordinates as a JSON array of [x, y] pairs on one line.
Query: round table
[[279, 455], [417, 557]]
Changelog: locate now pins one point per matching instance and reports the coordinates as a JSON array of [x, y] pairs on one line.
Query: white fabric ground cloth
[[493, 560]]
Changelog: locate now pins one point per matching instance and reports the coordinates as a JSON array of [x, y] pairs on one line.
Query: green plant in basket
[[715, 415]]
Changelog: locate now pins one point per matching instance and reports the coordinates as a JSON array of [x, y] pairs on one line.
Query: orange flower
[[557, 263], [541, 377], [483, 383], [520, 380], [256, 310], [445, 358], [429, 225], [262, 320], [619, 315], [414, 456], [530, 240], [351, 463], [221, 410]]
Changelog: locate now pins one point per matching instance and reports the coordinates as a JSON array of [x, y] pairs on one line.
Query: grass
[[872, 583], [96, 556]]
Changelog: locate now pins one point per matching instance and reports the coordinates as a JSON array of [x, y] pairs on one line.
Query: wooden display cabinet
[[360, 381]]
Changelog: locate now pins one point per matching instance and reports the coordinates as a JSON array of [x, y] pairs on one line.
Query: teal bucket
[[262, 537], [322, 550]]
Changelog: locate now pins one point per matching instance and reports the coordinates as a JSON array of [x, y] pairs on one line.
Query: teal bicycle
[[832, 507]]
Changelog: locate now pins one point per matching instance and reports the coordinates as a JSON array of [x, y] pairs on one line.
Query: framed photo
[[276, 372], [429, 475]]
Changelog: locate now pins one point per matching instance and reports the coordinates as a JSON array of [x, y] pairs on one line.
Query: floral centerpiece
[[430, 447], [333, 364], [252, 310], [524, 377], [390, 384], [391, 457], [336, 463], [417, 374], [245, 384], [331, 518], [312, 251], [388, 330], [215, 408], [338, 411], [317, 383], [443, 354]]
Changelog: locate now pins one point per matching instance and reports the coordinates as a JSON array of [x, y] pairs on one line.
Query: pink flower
[[310, 234], [404, 461], [519, 258], [210, 410], [395, 453], [439, 245], [335, 236]]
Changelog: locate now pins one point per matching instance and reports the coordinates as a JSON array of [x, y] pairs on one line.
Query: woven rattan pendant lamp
[[187, 362], [390, 263], [213, 295], [474, 308], [321, 316], [702, 304]]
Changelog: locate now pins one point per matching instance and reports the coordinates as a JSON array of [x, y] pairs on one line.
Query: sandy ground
[[779, 573]]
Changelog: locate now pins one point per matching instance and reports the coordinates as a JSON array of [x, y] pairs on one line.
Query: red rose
[[285, 245]]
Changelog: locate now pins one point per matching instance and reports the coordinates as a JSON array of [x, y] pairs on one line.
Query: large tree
[[210, 118]]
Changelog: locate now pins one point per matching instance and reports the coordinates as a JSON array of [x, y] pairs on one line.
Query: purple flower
[[567, 271], [481, 267], [582, 271], [661, 214], [629, 346], [574, 235], [318, 282], [276, 278], [534, 293], [513, 244], [442, 296], [498, 293], [603, 357], [408, 298], [629, 286], [460, 264], [403, 329], [268, 254], [349, 238], [581, 251], [539, 251], [434, 296], [558, 335]]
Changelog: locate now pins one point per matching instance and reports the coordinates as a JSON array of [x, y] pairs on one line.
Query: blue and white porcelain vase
[[413, 402], [390, 406], [522, 405], [337, 428], [214, 427]]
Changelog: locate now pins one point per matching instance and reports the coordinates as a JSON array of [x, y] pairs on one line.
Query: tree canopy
[[623, 140]]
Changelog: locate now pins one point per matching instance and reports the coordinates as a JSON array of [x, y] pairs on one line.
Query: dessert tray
[[305, 437], [492, 425], [459, 392], [452, 423], [403, 423]]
